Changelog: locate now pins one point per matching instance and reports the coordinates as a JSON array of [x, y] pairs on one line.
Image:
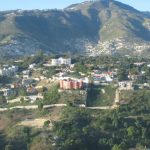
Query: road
[[58, 105], [32, 107], [103, 107]]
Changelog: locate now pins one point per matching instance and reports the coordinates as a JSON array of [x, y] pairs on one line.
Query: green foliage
[[2, 100], [74, 131], [38, 59], [46, 124], [40, 106], [22, 92], [4, 79], [51, 71], [101, 96], [134, 70], [52, 96], [9, 147], [117, 147], [22, 100], [140, 147], [110, 130], [72, 98], [80, 67], [41, 143], [139, 104], [80, 128], [19, 137], [13, 96], [122, 74], [2, 141], [131, 131], [24, 138]]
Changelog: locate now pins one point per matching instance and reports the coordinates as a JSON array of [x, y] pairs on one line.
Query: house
[[26, 73], [32, 90], [126, 85], [148, 65], [61, 61], [32, 66], [99, 76], [136, 77], [138, 64], [8, 71], [27, 82], [8, 92], [15, 86]]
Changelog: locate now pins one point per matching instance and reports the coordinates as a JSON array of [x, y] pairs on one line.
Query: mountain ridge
[[92, 28]]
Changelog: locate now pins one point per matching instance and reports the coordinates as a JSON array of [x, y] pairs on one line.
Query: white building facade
[[61, 61], [126, 85], [9, 71]]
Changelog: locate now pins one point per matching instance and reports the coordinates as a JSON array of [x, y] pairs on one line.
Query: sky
[[143, 5]]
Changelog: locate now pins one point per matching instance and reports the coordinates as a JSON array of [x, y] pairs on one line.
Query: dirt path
[[38, 123]]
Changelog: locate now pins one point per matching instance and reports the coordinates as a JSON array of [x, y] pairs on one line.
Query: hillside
[[93, 27]]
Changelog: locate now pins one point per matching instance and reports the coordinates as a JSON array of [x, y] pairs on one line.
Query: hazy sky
[[143, 5]]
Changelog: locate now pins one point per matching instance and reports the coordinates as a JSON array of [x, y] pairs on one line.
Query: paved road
[[58, 105], [32, 107]]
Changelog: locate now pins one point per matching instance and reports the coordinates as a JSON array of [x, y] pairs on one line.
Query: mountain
[[92, 28], [147, 13]]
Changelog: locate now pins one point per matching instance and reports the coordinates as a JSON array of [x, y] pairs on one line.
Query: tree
[[19, 137], [74, 131], [9, 147], [22, 100], [117, 147], [131, 131], [80, 67], [140, 147], [41, 143], [122, 74], [52, 95], [2, 100], [46, 124], [4, 79], [51, 71], [22, 92], [40, 106]]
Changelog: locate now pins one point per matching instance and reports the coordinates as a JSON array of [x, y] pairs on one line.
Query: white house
[[103, 76], [61, 61], [8, 71], [8, 92], [126, 85], [32, 66]]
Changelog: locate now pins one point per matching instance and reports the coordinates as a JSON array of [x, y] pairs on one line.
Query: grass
[[73, 96], [126, 95], [102, 96]]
